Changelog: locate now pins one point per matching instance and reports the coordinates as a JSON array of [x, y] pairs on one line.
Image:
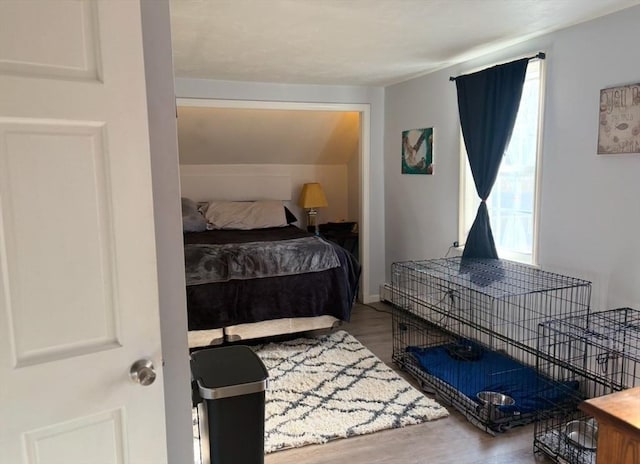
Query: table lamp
[[312, 197]]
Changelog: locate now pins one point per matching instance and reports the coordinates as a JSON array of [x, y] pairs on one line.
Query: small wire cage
[[602, 354], [465, 326]]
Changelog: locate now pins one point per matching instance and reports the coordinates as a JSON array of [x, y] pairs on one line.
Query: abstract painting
[[417, 151]]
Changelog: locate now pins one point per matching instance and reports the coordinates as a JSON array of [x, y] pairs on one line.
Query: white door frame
[[365, 158]]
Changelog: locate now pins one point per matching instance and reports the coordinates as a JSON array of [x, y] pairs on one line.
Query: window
[[513, 201]]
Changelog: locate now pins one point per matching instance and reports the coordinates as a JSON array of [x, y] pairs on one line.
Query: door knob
[[142, 372]]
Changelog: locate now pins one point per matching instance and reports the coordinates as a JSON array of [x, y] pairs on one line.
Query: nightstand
[[343, 233]]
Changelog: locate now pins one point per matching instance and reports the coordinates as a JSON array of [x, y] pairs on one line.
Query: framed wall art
[[417, 151], [619, 127]]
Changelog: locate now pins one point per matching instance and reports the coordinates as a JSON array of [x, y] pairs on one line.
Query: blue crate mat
[[491, 371]]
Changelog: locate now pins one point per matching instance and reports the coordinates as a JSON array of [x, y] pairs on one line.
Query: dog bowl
[[495, 398], [582, 434]]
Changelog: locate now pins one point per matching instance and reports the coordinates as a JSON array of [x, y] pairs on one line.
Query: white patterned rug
[[331, 387]]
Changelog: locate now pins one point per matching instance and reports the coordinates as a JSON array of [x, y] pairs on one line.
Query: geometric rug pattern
[[330, 387]]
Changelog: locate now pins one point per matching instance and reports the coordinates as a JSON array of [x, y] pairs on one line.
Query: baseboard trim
[[385, 292], [371, 299]]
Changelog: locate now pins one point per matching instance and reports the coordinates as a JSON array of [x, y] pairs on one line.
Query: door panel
[[99, 436], [65, 44], [78, 274], [71, 225]]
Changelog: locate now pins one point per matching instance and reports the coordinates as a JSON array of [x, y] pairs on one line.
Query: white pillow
[[246, 215]]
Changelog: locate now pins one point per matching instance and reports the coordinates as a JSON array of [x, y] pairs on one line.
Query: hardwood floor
[[451, 440]]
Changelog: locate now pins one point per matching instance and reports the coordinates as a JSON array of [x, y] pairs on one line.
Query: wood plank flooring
[[451, 440]]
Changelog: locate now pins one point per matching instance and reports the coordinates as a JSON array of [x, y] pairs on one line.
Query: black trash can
[[229, 385]]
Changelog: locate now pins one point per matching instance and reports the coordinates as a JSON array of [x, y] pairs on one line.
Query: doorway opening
[[363, 159]]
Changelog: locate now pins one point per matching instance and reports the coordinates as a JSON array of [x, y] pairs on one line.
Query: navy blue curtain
[[488, 103]]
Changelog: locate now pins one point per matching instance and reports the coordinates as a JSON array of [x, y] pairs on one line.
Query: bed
[[254, 282]]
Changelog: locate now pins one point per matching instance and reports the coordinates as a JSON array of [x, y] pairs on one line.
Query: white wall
[[333, 179], [353, 183], [168, 226], [421, 211], [372, 96], [590, 213]]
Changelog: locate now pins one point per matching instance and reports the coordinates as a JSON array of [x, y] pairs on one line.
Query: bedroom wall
[[372, 96], [353, 184], [589, 205], [245, 144], [332, 177]]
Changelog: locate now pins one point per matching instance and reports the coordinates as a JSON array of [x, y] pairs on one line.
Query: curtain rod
[[540, 56]]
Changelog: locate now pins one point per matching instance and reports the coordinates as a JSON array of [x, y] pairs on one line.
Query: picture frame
[[619, 120], [417, 151]]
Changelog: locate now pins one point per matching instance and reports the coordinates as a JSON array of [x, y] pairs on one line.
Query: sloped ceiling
[[256, 136]]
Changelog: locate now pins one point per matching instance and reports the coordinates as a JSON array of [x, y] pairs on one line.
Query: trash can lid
[[228, 371]]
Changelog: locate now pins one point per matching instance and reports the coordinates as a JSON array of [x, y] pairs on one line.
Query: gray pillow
[[192, 218]]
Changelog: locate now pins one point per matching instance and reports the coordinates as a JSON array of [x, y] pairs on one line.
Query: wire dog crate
[[463, 327], [602, 354]]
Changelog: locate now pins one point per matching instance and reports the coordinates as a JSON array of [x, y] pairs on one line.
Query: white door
[[78, 286]]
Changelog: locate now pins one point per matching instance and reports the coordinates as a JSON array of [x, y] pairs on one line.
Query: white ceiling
[[356, 42]]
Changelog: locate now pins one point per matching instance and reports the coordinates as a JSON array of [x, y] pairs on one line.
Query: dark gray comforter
[[237, 301], [208, 263]]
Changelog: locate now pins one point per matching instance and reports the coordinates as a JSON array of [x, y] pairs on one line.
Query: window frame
[[469, 207]]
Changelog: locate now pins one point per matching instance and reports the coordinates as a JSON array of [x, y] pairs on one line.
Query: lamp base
[[312, 221]]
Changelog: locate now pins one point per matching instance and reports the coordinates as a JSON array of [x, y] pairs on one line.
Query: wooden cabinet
[[618, 416]]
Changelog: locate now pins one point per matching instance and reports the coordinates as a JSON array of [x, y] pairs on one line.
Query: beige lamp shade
[[312, 196]]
